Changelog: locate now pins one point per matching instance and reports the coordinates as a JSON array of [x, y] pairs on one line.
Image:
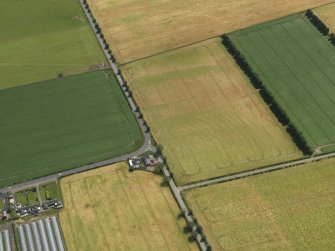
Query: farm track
[[255, 172]]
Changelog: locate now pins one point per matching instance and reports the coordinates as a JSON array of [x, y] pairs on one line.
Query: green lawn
[[56, 125], [40, 39], [21, 198], [297, 65], [26, 198], [49, 191], [290, 209]]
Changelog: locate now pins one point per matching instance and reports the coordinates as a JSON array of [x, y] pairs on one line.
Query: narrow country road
[[182, 205], [255, 172]]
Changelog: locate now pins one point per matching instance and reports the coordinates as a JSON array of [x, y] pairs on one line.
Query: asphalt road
[[181, 203]]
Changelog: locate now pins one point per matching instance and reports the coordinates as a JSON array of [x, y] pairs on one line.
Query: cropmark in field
[[57, 125], [205, 114], [42, 39], [296, 63], [291, 209], [111, 209], [140, 28]]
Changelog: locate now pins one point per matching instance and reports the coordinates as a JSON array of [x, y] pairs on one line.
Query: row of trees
[[317, 22], [193, 229], [127, 92], [332, 38], [99, 32], [321, 26], [267, 96]]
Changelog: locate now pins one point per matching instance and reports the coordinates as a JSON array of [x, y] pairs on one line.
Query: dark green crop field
[[56, 125], [297, 65]]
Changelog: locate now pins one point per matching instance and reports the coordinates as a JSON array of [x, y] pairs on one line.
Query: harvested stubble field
[[40, 39], [297, 64], [112, 209], [140, 28], [291, 209], [209, 119], [327, 15], [56, 125]]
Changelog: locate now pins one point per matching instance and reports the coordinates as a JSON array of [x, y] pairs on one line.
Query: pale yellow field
[[139, 28], [327, 14], [291, 209], [112, 209], [205, 113]]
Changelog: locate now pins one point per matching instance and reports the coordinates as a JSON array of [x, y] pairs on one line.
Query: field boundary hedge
[[320, 26], [267, 96]]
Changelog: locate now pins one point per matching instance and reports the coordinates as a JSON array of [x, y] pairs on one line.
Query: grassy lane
[[207, 116], [291, 209], [56, 125], [40, 39], [297, 64]]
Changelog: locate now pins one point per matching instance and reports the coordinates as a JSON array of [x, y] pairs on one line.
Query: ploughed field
[[296, 63], [140, 28], [40, 39], [56, 125], [291, 209], [206, 115], [112, 209]]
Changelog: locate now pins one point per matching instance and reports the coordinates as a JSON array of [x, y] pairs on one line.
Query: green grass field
[[40, 39], [291, 209], [206, 115], [26, 198], [56, 125], [49, 191], [297, 64]]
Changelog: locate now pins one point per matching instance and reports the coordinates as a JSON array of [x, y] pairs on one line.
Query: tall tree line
[[267, 96], [320, 25]]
